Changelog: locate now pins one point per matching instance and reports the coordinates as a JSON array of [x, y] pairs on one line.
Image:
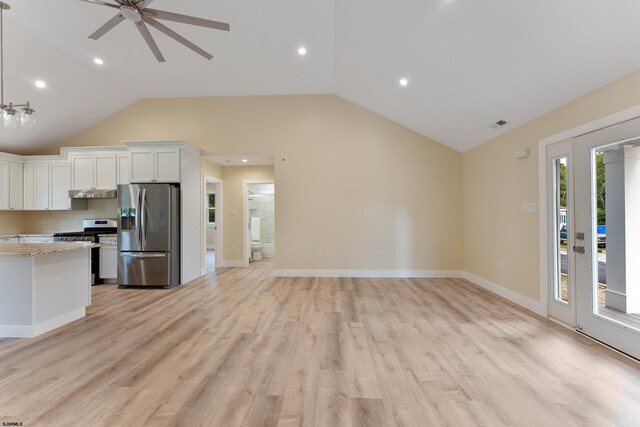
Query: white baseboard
[[233, 263], [514, 297], [11, 331], [433, 274]]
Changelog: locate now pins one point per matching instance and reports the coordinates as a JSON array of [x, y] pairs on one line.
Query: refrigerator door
[[129, 231], [156, 217], [144, 269], [146, 218]]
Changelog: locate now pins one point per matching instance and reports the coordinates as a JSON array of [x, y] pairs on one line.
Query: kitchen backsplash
[[13, 222], [55, 221]]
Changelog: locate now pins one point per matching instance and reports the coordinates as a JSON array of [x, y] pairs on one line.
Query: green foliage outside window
[[211, 208]]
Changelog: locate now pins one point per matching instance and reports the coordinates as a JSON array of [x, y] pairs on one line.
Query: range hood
[[93, 194]]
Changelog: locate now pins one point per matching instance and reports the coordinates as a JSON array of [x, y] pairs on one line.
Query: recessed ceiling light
[[244, 160], [302, 51], [98, 61], [404, 82], [40, 84]]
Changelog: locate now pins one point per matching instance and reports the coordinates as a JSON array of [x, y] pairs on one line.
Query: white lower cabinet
[[108, 262]]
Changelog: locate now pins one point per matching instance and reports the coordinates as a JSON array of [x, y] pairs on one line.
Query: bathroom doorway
[[212, 223], [259, 219]]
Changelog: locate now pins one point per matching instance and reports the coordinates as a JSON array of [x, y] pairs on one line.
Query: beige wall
[[496, 233], [349, 182], [55, 221], [12, 222], [233, 191]]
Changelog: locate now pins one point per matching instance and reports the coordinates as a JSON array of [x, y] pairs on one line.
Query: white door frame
[[205, 204], [246, 237], [610, 120], [559, 310]]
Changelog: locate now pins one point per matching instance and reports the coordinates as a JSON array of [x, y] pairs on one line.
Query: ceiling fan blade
[[146, 35], [177, 37], [141, 4], [102, 3], [191, 20], [107, 27]]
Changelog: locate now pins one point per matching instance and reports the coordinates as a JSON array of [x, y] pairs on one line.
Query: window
[[211, 208]]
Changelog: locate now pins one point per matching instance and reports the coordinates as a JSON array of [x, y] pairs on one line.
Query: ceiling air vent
[[498, 124]]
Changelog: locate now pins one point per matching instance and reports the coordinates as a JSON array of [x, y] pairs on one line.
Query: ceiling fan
[[137, 11]]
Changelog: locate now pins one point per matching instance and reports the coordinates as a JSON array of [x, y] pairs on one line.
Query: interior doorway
[[593, 235], [212, 224], [259, 219]]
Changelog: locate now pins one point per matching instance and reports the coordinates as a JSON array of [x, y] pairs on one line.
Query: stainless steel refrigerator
[[149, 235]]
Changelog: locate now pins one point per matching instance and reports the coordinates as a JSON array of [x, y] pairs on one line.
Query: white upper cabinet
[[60, 183], [36, 186], [29, 187], [91, 171], [41, 186], [155, 164], [124, 168], [4, 185], [16, 188]]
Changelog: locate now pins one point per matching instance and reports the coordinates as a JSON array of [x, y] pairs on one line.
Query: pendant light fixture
[[13, 115]]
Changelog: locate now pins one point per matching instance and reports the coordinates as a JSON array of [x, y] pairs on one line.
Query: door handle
[[578, 249]]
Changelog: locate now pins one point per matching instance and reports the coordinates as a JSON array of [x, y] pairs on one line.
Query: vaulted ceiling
[[468, 63]]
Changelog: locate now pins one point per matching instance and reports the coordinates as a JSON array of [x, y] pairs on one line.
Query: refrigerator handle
[[139, 218], [143, 218]]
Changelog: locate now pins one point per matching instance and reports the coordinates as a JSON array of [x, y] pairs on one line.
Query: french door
[[593, 188]]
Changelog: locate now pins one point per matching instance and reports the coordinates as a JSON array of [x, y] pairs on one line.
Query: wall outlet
[[233, 212], [423, 254], [234, 248], [380, 253], [503, 266], [319, 253], [528, 207]]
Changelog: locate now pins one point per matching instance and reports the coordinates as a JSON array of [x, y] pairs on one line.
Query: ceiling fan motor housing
[[131, 13]]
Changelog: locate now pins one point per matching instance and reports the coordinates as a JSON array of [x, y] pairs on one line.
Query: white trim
[[594, 125], [417, 274], [181, 145], [206, 179], [531, 305], [233, 264], [15, 331]]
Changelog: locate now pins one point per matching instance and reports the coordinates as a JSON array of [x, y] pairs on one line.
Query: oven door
[[144, 269]]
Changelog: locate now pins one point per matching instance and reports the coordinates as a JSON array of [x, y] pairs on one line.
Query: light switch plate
[[528, 207]]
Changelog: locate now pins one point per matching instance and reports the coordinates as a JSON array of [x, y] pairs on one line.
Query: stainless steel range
[[93, 228]]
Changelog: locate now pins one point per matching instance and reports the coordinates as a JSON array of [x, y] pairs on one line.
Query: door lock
[[578, 249]]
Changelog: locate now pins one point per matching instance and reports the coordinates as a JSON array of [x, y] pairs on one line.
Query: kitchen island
[[43, 286]]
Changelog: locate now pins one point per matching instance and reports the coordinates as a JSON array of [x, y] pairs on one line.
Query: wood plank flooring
[[242, 348]]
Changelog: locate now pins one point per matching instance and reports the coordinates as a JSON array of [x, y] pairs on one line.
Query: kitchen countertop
[[34, 249]]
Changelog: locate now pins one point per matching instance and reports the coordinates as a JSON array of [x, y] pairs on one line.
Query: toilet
[[256, 245]]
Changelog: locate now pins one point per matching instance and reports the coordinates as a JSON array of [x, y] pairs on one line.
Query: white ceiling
[[468, 63]]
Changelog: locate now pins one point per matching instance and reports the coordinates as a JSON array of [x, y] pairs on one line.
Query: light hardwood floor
[[240, 347]]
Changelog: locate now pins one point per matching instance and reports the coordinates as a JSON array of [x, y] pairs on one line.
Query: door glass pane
[[615, 204], [560, 229]]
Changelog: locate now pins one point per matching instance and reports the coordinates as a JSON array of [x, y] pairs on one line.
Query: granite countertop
[[108, 235], [34, 249]]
